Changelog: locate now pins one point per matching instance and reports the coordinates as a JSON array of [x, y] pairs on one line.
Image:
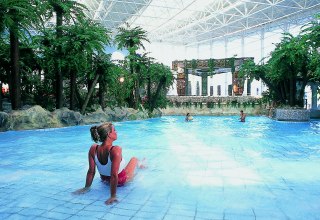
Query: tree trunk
[[72, 89], [89, 82], [292, 92], [58, 72], [149, 93], [79, 99], [282, 93], [1, 109], [90, 91], [102, 88], [15, 82], [155, 97], [136, 94], [132, 93], [286, 93]]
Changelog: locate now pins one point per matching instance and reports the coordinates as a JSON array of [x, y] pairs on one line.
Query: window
[[189, 88], [198, 88], [230, 90], [219, 90], [211, 90], [248, 87]]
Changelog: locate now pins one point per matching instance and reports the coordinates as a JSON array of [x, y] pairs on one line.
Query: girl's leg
[[130, 168]]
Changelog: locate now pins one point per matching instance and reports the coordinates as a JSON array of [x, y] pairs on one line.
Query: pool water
[[209, 168]]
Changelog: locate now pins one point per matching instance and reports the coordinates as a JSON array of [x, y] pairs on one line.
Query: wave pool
[[210, 168]]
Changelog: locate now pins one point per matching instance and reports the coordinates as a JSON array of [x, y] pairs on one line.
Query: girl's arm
[[116, 159], [90, 173], [92, 167]]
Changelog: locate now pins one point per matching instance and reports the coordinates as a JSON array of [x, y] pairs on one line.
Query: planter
[[292, 115]]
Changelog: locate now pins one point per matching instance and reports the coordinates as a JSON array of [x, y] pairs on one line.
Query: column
[[262, 44], [242, 45], [225, 56], [198, 51], [314, 98], [225, 47]]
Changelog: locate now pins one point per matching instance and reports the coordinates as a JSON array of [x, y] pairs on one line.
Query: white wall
[[222, 79], [257, 88], [194, 79]]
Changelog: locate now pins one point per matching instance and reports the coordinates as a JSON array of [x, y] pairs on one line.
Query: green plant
[[244, 104], [210, 104], [132, 39], [234, 103], [211, 65], [293, 64]]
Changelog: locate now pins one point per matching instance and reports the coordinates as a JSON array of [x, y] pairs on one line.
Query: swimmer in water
[[188, 117]]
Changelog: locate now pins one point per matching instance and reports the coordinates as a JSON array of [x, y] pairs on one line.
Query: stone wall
[[205, 99], [292, 115], [36, 117]]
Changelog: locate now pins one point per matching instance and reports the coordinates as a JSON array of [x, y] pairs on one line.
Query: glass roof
[[187, 22]]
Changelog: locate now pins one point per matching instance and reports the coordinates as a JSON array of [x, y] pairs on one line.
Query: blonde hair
[[100, 133]]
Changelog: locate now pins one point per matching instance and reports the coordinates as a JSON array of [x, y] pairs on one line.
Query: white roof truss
[[189, 22]]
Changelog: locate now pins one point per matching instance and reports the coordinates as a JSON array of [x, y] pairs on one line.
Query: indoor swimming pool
[[210, 168]]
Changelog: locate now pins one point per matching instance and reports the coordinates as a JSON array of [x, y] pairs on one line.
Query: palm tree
[[66, 11], [16, 18], [4, 65], [45, 44], [132, 39], [104, 66], [80, 41], [161, 80]]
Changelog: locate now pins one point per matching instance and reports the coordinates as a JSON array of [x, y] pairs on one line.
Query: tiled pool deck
[[236, 184]]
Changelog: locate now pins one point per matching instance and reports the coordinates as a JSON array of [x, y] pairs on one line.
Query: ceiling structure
[[190, 22]]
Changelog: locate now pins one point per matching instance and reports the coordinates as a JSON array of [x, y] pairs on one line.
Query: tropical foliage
[[16, 18], [292, 65], [132, 39], [63, 63]]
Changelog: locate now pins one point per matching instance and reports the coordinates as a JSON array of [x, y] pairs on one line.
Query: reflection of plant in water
[[210, 104], [234, 103], [219, 103]]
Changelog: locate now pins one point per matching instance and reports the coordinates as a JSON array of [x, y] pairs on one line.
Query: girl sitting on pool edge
[[109, 161]]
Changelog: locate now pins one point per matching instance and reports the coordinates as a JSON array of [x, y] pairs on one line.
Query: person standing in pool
[[188, 117], [109, 161], [242, 116]]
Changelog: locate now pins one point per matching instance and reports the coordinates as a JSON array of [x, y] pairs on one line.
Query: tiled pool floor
[[198, 183]]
